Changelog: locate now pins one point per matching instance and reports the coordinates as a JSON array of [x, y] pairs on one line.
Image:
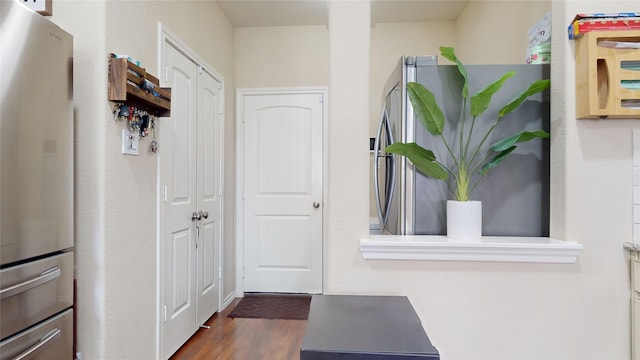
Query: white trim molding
[[490, 248]]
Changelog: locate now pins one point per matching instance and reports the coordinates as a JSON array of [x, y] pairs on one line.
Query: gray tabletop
[[364, 327]]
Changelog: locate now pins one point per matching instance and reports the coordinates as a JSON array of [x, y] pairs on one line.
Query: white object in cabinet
[[635, 305]]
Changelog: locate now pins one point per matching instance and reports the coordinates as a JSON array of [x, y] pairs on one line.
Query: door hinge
[[165, 193], [200, 69], [220, 190], [219, 86], [321, 99], [166, 74], [165, 313], [220, 273]]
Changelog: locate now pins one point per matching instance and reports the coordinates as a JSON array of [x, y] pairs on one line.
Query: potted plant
[[468, 159]]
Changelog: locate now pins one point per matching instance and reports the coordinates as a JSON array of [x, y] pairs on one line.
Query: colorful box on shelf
[[584, 23], [129, 58]]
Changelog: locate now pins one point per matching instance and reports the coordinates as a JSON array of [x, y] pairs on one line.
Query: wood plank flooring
[[244, 339]]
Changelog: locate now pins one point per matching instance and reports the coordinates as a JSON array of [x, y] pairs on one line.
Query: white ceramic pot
[[464, 220]]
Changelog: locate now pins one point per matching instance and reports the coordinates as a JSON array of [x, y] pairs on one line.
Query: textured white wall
[[283, 56], [86, 22], [496, 32], [348, 199]]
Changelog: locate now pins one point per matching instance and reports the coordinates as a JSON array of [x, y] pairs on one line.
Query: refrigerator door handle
[[376, 158], [44, 277], [392, 167], [384, 125]]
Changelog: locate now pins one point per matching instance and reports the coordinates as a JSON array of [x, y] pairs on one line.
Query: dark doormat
[[270, 306]]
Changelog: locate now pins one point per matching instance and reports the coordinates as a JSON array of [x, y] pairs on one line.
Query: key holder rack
[[131, 85], [139, 100], [140, 124]]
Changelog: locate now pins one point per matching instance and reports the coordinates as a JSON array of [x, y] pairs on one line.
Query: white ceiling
[[249, 13]]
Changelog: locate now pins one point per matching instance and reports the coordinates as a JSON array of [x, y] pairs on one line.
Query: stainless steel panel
[[32, 292], [52, 339], [36, 135]]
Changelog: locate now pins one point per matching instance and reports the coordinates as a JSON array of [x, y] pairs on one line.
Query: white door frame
[[240, 93], [166, 37]]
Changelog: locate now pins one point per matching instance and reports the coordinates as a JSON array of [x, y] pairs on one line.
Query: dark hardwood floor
[[244, 339]]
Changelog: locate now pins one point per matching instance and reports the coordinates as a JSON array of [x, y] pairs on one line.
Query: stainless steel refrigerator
[[515, 195], [36, 186]]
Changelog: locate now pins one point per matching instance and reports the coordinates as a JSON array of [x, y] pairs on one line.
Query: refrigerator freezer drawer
[[52, 339], [34, 291]]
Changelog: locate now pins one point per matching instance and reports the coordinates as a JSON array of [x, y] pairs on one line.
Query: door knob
[[204, 214], [316, 204], [196, 216]]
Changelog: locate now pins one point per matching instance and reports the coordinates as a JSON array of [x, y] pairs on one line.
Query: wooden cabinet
[[608, 75], [132, 85]]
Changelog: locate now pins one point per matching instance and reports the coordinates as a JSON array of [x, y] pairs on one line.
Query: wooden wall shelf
[[127, 85], [608, 77]]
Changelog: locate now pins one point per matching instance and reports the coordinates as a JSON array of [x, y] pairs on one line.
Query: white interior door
[[283, 192], [177, 151], [209, 193], [190, 153]]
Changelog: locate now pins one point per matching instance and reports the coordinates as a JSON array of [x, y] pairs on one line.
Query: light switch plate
[[130, 142], [43, 7]]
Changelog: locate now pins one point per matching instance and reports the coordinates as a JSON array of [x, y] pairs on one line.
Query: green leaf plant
[[469, 164]]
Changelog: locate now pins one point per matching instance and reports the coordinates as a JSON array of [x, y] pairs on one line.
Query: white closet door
[[209, 184], [177, 149], [190, 150]]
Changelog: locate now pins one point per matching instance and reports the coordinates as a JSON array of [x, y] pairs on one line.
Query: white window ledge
[[490, 248]]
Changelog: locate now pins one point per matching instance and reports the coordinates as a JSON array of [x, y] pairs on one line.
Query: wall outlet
[[43, 7], [130, 142]]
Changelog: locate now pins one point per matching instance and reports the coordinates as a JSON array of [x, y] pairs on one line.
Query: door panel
[[181, 280], [283, 180], [284, 242]]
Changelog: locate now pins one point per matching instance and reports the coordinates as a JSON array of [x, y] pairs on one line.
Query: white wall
[[496, 32], [89, 64], [116, 237], [283, 56], [507, 310]]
